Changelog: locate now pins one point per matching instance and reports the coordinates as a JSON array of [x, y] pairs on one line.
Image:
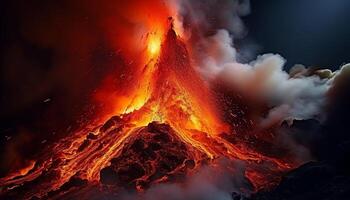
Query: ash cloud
[[208, 16], [299, 94]]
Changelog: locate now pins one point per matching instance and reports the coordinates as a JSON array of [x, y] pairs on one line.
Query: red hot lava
[[163, 131]]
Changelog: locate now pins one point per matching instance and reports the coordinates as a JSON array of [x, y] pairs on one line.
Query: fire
[[170, 115]]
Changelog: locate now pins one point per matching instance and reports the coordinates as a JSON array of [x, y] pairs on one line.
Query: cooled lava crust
[[154, 155]]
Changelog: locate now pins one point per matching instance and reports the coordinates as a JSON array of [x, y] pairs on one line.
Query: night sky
[[313, 32]]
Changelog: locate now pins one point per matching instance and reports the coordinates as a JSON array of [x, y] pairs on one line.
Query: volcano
[[169, 130]]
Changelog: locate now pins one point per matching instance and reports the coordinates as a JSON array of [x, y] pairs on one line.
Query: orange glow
[[154, 43]]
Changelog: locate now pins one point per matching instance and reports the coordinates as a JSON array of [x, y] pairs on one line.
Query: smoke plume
[[211, 28], [298, 94]]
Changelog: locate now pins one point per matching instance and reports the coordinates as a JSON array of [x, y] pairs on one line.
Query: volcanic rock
[[156, 155], [314, 180]]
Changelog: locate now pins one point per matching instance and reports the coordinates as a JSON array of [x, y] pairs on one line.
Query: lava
[[154, 43], [167, 129]]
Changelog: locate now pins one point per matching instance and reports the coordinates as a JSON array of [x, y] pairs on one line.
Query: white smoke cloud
[[208, 15], [290, 96], [209, 183], [299, 94]]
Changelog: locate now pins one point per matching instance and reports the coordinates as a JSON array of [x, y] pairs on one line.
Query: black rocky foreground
[[314, 180]]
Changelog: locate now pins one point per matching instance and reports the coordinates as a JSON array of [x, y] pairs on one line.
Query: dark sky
[[309, 32]]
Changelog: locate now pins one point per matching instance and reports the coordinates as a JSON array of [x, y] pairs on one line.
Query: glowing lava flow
[[170, 127], [154, 43]]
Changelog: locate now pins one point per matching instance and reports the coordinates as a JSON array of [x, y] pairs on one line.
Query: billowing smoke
[[298, 94], [208, 16], [265, 80]]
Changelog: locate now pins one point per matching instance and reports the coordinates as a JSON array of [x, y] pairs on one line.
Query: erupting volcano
[[169, 127]]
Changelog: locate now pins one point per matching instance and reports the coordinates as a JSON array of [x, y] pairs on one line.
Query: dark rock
[[115, 120], [138, 145], [236, 196], [91, 136], [85, 144], [314, 180], [156, 155], [108, 176], [74, 182], [190, 164], [131, 173]]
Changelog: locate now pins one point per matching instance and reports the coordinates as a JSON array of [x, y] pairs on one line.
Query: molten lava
[[168, 128], [154, 43]]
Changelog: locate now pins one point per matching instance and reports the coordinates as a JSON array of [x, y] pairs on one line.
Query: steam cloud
[[298, 94], [207, 184]]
